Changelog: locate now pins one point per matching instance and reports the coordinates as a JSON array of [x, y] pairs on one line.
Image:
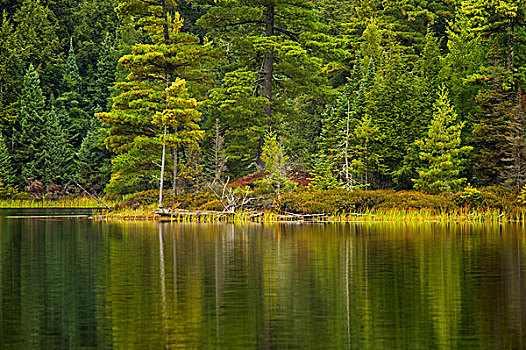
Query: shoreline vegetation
[[484, 205]]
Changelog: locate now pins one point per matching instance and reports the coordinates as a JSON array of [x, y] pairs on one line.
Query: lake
[[70, 282]]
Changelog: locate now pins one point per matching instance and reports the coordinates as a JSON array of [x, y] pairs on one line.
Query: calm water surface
[[75, 283]]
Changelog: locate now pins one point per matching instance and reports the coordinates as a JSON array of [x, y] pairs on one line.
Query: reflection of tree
[[136, 285]]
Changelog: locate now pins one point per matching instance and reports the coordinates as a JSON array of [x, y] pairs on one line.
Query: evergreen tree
[[323, 177], [154, 110], [217, 158], [37, 32], [365, 158], [92, 163], [442, 150], [57, 158], [282, 42], [491, 127], [29, 137], [10, 59], [344, 117], [72, 106], [275, 161], [105, 76], [514, 173], [7, 174], [394, 105], [241, 116]]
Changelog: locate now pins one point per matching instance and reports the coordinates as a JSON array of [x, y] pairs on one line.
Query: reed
[[75, 202]]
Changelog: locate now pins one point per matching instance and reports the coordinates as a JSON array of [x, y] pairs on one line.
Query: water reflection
[[77, 283]]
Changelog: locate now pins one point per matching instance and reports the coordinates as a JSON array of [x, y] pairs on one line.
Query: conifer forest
[[132, 95]]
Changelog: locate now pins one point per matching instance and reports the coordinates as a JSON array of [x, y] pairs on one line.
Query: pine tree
[[7, 174], [154, 108], [442, 150], [29, 137], [282, 42]]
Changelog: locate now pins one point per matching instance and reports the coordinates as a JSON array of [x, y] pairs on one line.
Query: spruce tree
[[275, 160], [92, 162], [57, 158], [105, 76], [71, 103], [441, 150], [365, 157], [29, 136], [7, 174], [241, 116], [394, 104], [217, 158]]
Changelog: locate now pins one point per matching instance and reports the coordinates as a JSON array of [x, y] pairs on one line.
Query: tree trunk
[[268, 72], [161, 181], [268, 65], [346, 149], [168, 80]]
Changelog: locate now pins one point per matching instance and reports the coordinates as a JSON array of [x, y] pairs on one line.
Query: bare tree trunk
[[163, 161], [346, 149], [168, 78]]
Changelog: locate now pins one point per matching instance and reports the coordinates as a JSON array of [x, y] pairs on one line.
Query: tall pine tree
[[153, 109]]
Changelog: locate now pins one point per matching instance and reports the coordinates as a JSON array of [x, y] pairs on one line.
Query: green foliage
[[56, 156], [521, 198], [28, 135], [275, 160], [442, 150], [323, 176], [469, 197], [394, 104], [241, 116], [155, 107], [354, 80], [280, 40], [7, 174], [92, 163]]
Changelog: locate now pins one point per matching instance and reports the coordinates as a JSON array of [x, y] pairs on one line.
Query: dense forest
[[121, 96]]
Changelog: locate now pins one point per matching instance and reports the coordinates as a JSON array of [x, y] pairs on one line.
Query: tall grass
[[75, 202]]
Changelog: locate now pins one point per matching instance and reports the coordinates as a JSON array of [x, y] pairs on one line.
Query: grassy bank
[[486, 205], [76, 202]]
